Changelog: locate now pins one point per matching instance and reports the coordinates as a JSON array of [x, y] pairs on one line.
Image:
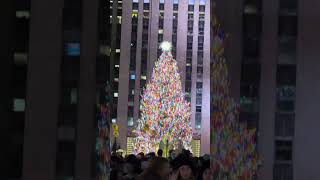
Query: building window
[[65, 159], [284, 125], [283, 172], [199, 100], [201, 17], [283, 150], [175, 7], [160, 38], [135, 6], [129, 145], [145, 6], [130, 121], [161, 5], [252, 6], [286, 75], [198, 109], [188, 72], [288, 7], [188, 87], [160, 23], [19, 105], [70, 96], [202, 8], [189, 54], [202, 2], [198, 120], [196, 144], [72, 49], [288, 26]]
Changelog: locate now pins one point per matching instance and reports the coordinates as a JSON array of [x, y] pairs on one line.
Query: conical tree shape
[[165, 114]]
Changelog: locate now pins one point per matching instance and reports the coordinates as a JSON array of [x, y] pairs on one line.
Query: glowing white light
[[165, 46]]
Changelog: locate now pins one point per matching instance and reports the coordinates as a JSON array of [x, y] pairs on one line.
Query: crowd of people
[[152, 166]]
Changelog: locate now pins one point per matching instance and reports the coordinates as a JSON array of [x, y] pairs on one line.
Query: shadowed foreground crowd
[[155, 167]]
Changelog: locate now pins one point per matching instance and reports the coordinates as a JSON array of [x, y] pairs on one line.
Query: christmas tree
[[165, 114], [233, 146]]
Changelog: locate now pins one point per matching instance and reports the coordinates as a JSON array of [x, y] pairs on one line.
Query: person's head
[[160, 152], [205, 171], [185, 172], [172, 154], [160, 166], [184, 166], [151, 155], [140, 155], [132, 165]]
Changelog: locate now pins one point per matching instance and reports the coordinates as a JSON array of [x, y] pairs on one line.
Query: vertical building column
[[194, 64], [182, 40], [87, 88], [267, 107], [137, 89], [45, 53], [205, 123], [167, 27], [6, 55], [306, 139], [153, 36], [122, 110]]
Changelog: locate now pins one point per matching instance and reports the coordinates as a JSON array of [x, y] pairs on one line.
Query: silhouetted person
[[158, 170], [160, 152]]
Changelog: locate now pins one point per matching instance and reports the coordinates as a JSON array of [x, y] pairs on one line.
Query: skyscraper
[[143, 25]]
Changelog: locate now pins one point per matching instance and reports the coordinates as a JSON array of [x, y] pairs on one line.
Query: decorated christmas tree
[[165, 114], [233, 146]]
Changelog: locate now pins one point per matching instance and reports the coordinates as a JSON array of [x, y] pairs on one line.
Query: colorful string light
[[102, 140]]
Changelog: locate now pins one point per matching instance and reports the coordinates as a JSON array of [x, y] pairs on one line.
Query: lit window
[[74, 96], [114, 120], [22, 14], [160, 31], [132, 77], [72, 49], [144, 77], [196, 144], [132, 91], [188, 64], [115, 94], [116, 79], [129, 145], [202, 2], [130, 121], [130, 103], [117, 50], [134, 14], [19, 105], [117, 65]]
